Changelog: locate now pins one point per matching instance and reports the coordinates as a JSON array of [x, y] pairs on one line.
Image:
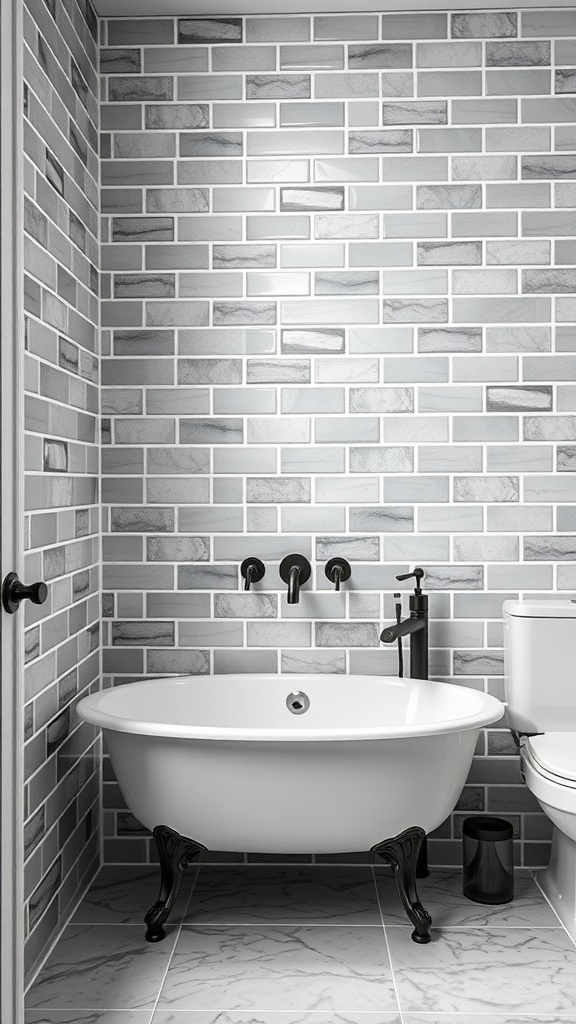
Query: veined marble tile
[[313, 341], [284, 895], [121, 894], [441, 894], [481, 25], [387, 141], [346, 282], [492, 970], [111, 966], [484, 1018], [304, 661], [277, 87], [415, 112], [550, 549], [93, 1017], [312, 198], [280, 968]]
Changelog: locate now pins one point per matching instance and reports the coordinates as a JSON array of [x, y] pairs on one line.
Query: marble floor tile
[[98, 967], [488, 1018], [485, 970], [122, 894], [279, 968], [284, 894], [441, 894], [87, 1017], [274, 1017]]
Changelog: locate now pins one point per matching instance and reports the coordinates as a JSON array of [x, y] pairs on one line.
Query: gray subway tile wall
[[61, 255], [338, 284]]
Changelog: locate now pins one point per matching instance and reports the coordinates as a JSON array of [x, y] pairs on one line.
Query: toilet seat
[[553, 755], [553, 790]]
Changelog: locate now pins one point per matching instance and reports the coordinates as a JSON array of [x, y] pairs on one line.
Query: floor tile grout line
[[399, 1008], [171, 957]]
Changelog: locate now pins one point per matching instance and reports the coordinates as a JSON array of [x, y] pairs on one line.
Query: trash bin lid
[[488, 829]]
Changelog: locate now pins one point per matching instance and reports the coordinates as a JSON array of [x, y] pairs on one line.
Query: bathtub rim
[[90, 710]]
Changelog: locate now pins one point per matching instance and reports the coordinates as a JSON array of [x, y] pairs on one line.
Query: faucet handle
[[252, 570], [417, 575], [338, 571]]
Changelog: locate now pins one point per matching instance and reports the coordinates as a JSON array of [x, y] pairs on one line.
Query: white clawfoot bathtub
[[223, 761]]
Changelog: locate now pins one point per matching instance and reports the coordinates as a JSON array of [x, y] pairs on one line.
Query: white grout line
[[386, 941], [185, 911]]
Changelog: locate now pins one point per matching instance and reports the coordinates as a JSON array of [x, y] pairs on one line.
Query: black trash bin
[[487, 860]]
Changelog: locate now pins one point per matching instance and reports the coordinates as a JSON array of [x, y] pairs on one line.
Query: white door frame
[[11, 508]]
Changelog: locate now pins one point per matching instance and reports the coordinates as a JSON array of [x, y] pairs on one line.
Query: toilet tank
[[540, 665]]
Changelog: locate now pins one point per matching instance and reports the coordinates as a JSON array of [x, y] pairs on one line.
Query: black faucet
[[294, 570], [416, 626], [337, 571], [252, 570]]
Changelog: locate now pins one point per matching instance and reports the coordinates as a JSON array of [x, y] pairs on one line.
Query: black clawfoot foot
[[402, 853], [175, 852], [422, 862]]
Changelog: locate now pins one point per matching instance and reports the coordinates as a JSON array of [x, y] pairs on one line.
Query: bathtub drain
[[297, 702]]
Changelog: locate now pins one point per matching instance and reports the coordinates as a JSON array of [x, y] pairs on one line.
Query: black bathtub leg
[[175, 852], [402, 853], [422, 862]]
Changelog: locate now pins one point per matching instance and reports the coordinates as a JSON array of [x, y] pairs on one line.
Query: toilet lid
[[555, 752]]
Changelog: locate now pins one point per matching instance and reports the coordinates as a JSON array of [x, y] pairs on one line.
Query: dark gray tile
[[140, 89], [140, 31]]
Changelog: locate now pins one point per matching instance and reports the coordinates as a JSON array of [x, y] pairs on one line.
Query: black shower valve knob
[[338, 570], [252, 570], [14, 591]]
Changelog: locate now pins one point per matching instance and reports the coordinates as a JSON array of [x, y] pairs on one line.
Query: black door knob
[[13, 592]]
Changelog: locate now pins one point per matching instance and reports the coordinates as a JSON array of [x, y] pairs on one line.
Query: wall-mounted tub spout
[[252, 570], [338, 571], [294, 570]]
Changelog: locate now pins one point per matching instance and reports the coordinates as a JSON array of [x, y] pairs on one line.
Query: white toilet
[[540, 681]]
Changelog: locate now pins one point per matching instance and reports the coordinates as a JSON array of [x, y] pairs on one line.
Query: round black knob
[[13, 592]]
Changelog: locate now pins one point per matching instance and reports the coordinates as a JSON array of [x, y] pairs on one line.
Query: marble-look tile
[[277, 968], [482, 1018], [121, 894], [495, 970], [111, 967], [98, 1017], [279, 1016], [286, 894]]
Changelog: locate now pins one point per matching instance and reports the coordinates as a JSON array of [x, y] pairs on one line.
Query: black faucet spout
[[294, 570], [391, 633], [294, 585]]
